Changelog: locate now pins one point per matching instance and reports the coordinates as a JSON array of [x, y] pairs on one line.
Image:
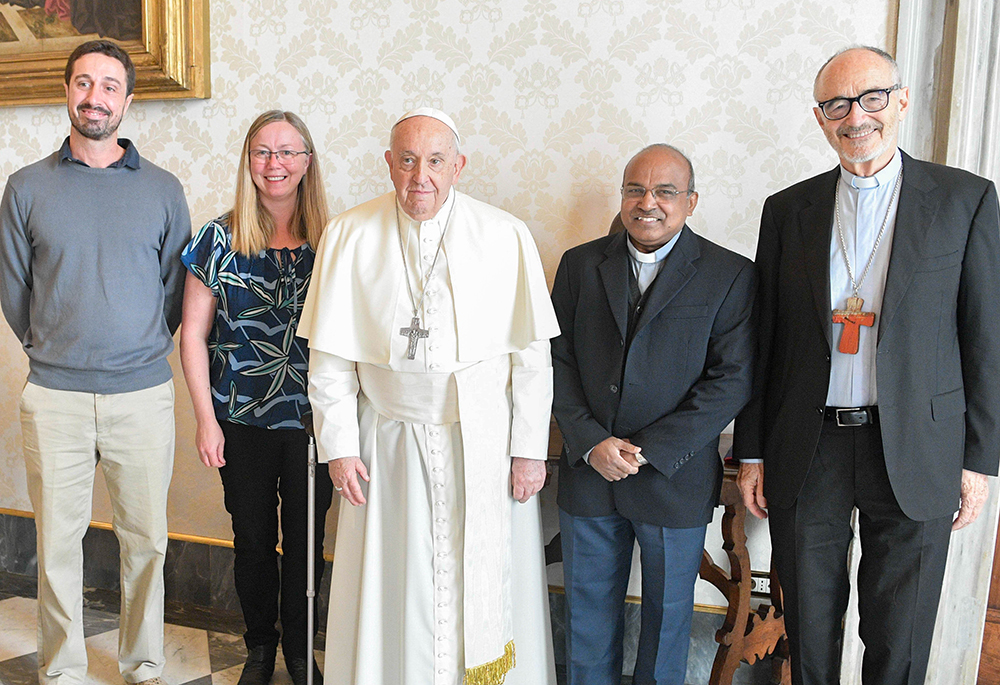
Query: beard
[[887, 139], [94, 130]]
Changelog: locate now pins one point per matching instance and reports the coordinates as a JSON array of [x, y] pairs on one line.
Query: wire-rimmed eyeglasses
[[264, 156], [660, 193]]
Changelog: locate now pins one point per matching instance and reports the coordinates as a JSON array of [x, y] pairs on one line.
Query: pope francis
[[430, 378]]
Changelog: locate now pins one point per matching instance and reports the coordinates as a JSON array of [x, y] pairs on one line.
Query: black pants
[[899, 576], [261, 466]]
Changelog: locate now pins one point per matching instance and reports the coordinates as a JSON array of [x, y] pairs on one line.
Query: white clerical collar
[[441, 216], [883, 178], [657, 255]]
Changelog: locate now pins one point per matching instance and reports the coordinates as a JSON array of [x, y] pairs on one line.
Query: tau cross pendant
[[852, 318], [414, 332]]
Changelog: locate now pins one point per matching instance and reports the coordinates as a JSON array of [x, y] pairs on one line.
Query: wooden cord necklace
[[852, 317]]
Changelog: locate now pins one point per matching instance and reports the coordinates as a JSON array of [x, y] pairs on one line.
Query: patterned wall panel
[[552, 97]]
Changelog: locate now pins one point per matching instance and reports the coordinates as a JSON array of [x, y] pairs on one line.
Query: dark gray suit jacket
[[938, 358], [686, 375]]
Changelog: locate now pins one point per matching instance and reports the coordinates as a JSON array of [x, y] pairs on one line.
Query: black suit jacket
[[686, 375], [938, 350]]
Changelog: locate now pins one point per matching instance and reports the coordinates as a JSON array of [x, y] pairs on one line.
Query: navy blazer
[[938, 344], [687, 374]]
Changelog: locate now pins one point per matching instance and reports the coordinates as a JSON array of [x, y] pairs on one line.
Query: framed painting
[[166, 39]]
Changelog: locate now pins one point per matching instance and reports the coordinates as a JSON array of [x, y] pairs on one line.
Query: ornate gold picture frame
[[171, 54]]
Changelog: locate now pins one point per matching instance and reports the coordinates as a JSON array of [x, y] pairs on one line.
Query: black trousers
[[899, 577], [261, 467]]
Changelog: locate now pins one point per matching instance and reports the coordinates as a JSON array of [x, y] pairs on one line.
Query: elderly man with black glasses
[[877, 385]]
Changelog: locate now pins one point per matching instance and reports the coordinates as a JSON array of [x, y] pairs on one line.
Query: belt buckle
[[847, 410]]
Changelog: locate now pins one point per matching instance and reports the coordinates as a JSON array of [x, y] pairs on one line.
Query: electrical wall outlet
[[760, 584]]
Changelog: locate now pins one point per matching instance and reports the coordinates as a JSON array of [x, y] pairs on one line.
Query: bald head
[[864, 140], [884, 56], [657, 196], [665, 149]]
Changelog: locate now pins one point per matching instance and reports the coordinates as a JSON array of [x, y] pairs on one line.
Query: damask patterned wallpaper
[[552, 98]]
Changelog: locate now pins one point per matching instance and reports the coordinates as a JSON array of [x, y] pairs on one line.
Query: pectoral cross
[[852, 318], [414, 332]]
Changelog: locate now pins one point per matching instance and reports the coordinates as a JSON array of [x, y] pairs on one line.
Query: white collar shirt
[[646, 265], [865, 202]]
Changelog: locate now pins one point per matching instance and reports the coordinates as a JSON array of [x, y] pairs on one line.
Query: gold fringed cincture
[[493, 672]]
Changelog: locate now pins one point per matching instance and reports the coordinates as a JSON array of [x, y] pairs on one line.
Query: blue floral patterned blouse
[[257, 365]]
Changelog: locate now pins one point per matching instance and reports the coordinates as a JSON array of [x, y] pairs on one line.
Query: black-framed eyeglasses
[[874, 100], [661, 194], [264, 156]]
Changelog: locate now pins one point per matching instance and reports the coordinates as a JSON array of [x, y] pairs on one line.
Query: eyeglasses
[[264, 156], [870, 101], [659, 194]]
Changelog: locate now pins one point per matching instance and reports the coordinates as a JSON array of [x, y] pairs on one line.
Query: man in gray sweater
[[91, 283]]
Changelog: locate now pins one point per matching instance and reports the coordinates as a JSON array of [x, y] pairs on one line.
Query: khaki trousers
[[131, 435]]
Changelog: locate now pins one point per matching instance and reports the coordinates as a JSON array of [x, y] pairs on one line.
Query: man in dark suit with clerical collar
[[877, 383], [653, 361]]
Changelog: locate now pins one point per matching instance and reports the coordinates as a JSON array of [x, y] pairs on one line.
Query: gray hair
[[877, 51], [665, 146]]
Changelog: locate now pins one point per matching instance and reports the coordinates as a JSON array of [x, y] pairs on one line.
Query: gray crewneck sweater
[[91, 280]]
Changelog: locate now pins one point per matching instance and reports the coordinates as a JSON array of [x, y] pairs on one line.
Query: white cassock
[[440, 577]]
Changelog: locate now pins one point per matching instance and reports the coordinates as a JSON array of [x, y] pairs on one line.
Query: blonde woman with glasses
[[249, 272]]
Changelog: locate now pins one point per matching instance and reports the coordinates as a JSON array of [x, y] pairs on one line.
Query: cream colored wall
[[552, 99]]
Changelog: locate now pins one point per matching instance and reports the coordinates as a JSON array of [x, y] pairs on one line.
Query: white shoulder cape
[[502, 302]]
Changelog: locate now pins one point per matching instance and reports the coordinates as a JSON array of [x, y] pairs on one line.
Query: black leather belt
[[852, 416]]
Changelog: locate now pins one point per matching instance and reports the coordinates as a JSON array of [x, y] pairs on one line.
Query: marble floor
[[202, 647]]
